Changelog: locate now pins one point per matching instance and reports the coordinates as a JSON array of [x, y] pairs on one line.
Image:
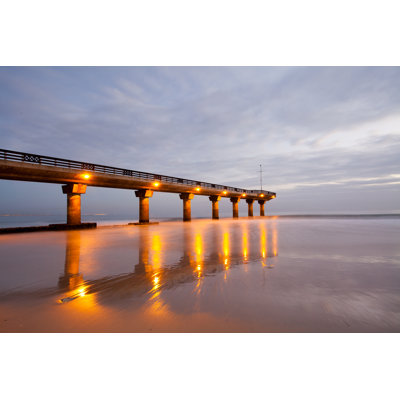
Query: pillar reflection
[[245, 243], [202, 250], [263, 241], [71, 278], [199, 253], [143, 253], [186, 258], [226, 249], [156, 251], [149, 267], [268, 246]]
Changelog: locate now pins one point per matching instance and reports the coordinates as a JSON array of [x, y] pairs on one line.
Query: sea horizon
[[36, 219]]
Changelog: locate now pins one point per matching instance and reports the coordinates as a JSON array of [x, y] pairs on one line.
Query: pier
[[75, 176]]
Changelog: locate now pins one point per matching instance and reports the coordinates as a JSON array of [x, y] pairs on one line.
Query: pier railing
[[10, 155]]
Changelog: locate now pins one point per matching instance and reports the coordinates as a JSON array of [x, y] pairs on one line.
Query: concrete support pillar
[[261, 203], [144, 196], [235, 206], [215, 206], [73, 192], [250, 206], [186, 197]]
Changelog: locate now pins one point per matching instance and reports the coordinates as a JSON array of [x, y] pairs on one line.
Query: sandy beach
[[247, 275]]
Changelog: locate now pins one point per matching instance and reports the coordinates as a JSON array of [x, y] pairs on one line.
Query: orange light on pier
[[273, 196], [244, 194], [156, 184], [86, 176], [224, 192], [261, 195], [198, 189]]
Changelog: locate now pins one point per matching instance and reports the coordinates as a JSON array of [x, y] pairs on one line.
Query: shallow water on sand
[[246, 275]]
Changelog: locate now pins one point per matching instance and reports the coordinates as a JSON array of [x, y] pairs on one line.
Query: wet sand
[[246, 275]]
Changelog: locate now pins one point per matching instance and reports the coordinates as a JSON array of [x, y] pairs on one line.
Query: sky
[[328, 138]]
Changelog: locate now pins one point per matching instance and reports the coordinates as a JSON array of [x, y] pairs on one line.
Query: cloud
[[308, 126]]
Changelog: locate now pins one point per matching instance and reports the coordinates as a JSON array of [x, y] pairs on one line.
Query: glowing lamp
[[156, 184], [224, 192], [244, 194], [198, 189], [85, 176], [261, 195]]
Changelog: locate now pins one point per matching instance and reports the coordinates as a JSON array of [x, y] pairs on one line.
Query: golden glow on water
[[274, 240], [156, 243], [156, 282], [83, 300], [154, 272], [87, 303], [156, 248], [153, 246], [263, 242], [199, 248], [226, 248], [226, 244], [236, 249], [156, 306], [245, 244]]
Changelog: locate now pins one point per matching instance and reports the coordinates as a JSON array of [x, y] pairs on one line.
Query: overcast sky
[[328, 138]]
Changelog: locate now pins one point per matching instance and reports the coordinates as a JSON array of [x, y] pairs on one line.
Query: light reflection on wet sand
[[262, 275]]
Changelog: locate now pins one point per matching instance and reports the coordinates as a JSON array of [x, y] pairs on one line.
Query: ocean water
[[276, 274], [12, 220]]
